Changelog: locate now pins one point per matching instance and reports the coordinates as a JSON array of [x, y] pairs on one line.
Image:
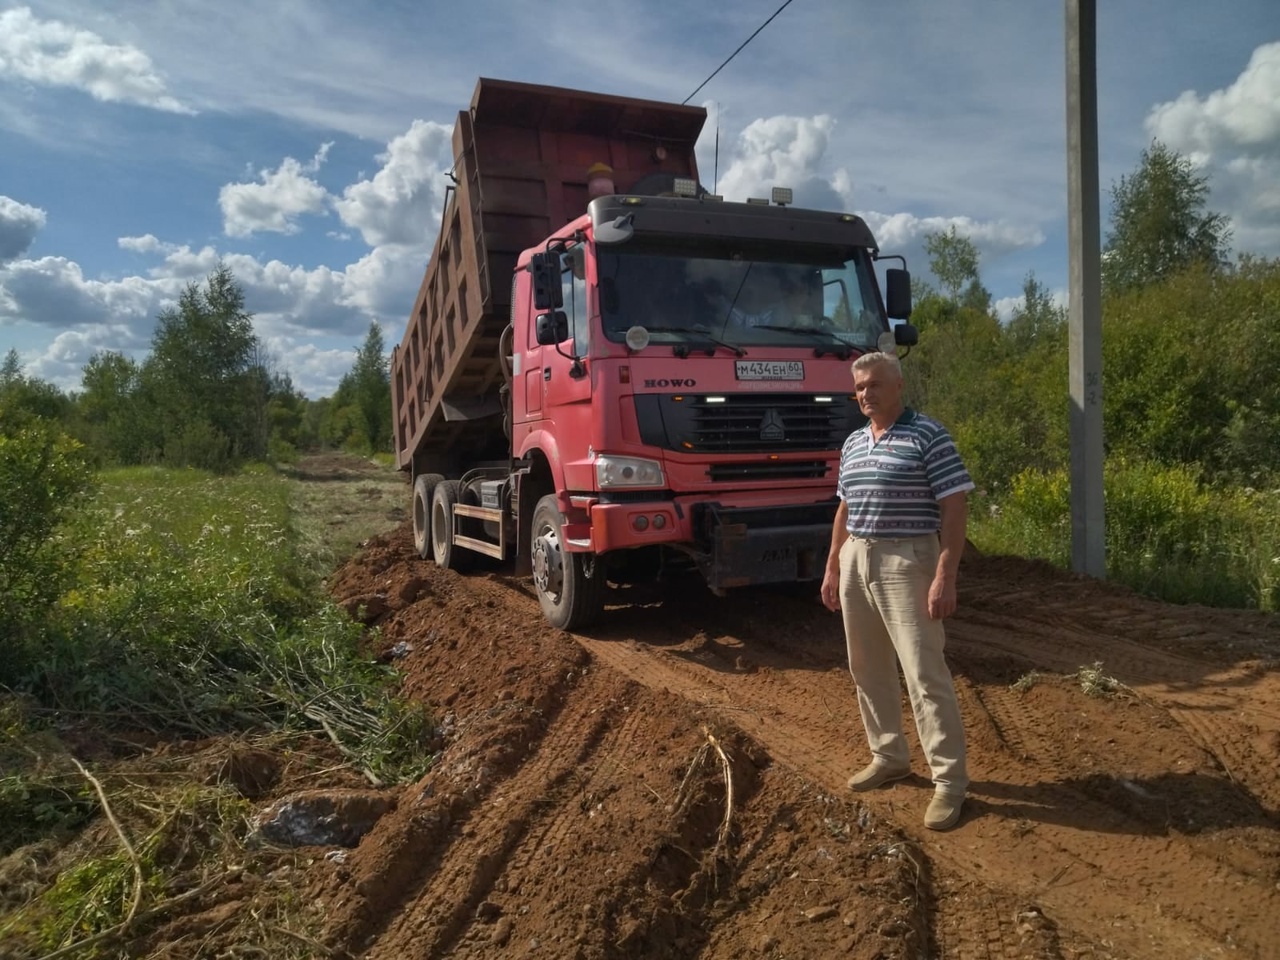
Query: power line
[[735, 53]]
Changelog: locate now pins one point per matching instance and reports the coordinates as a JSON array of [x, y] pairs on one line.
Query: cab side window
[[573, 283]]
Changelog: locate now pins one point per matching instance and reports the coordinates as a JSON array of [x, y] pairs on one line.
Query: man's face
[[878, 389]]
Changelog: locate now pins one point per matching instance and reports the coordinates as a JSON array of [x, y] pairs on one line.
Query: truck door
[[564, 375], [559, 372], [566, 379]]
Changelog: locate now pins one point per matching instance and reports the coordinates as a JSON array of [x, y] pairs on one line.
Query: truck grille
[[747, 423], [773, 470]]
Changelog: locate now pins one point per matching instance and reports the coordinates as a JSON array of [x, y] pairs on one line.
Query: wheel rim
[[548, 563], [439, 529], [420, 508]]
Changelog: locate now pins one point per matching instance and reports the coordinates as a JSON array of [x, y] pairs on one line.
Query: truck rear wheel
[[443, 550], [570, 591], [423, 487]]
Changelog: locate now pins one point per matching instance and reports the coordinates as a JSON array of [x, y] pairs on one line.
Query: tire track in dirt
[[446, 905], [806, 721], [1141, 824], [1040, 804], [1203, 697]]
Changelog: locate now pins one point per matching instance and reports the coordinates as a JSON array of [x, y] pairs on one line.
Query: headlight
[[628, 472]]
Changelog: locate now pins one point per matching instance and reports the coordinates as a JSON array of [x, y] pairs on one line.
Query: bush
[[44, 479], [1167, 532], [201, 445]]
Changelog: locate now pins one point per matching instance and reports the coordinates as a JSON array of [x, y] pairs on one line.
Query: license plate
[[769, 369]]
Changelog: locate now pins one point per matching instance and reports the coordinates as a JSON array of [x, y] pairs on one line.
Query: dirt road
[[672, 783]]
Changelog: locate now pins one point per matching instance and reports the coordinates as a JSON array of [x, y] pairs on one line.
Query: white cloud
[[53, 53], [281, 297], [1233, 137], [313, 369], [147, 243], [402, 203], [1245, 114], [64, 359], [53, 292], [385, 281], [993, 238], [1005, 307], [786, 152], [289, 303], [19, 224], [903, 234], [274, 203]]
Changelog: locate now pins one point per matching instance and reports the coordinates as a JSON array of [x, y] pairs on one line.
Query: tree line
[[1191, 403], [1191, 343], [207, 395]]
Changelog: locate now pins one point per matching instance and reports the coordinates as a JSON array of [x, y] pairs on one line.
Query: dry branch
[[722, 837], [124, 839]]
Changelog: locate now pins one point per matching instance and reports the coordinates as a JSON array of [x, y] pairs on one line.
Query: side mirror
[[547, 292], [552, 328], [905, 335], [897, 293]]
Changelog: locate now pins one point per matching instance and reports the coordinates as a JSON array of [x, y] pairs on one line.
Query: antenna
[[715, 170], [786, 3]]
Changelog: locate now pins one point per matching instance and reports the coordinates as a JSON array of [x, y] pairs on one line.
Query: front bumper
[[747, 539]]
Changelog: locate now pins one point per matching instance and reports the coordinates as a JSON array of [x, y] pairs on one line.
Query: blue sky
[[304, 141]]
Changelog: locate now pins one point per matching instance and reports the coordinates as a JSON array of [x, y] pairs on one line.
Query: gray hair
[[874, 359]]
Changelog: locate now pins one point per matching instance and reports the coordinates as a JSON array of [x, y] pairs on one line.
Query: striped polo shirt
[[893, 486]]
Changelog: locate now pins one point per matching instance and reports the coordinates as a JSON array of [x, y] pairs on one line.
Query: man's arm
[[942, 592], [831, 579]]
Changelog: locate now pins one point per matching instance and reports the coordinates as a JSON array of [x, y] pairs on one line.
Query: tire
[[570, 598], [446, 554], [423, 487]]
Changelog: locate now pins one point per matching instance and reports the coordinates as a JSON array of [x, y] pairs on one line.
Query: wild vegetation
[[153, 605], [156, 585], [1191, 405]]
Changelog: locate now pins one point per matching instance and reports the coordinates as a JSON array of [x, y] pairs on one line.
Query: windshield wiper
[[841, 348], [703, 333]]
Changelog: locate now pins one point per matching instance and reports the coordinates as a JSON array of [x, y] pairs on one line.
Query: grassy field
[[1169, 534], [338, 501], [194, 615]]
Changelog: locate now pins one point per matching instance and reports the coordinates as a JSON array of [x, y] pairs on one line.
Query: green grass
[[333, 517], [191, 608], [1168, 534], [192, 612]]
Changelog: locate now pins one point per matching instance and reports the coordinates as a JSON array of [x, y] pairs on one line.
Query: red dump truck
[[610, 373]]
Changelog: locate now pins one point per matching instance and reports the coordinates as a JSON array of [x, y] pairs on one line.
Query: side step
[[496, 550]]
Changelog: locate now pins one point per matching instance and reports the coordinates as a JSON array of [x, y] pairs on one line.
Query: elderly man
[[895, 551]]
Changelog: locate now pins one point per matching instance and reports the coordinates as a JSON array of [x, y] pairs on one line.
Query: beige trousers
[[884, 598]]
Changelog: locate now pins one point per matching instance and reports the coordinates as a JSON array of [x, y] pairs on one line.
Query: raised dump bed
[[522, 153]]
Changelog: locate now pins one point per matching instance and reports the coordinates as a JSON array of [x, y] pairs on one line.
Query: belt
[[870, 539]]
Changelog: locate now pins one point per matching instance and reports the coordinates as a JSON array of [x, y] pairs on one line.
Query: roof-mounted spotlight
[[684, 187], [782, 196]]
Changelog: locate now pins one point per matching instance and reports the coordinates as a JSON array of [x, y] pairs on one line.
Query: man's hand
[[942, 597], [831, 589]]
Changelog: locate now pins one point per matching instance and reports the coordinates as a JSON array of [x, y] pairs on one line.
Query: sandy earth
[[671, 784]]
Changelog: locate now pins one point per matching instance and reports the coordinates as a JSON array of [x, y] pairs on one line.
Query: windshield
[[741, 297]]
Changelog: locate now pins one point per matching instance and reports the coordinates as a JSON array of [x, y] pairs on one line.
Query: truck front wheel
[[570, 587], [423, 487]]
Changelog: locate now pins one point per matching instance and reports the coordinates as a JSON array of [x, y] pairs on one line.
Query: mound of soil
[[671, 784]]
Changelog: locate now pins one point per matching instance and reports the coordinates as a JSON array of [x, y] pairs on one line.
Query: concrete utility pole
[[1088, 546]]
